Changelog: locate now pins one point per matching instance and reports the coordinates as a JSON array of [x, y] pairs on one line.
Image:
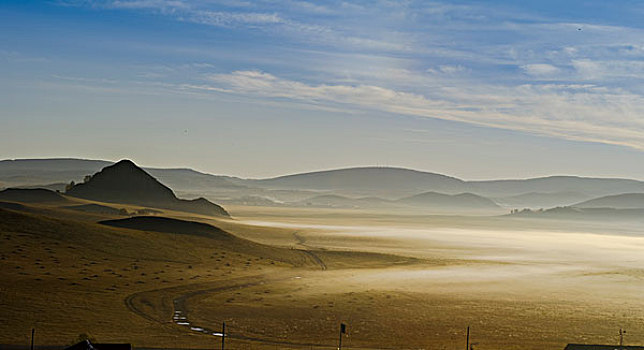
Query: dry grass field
[[288, 277]]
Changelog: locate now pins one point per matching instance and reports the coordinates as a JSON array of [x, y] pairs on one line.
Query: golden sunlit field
[[292, 275], [321, 175]]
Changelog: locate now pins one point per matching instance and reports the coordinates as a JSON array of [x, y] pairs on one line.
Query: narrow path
[[315, 258], [180, 314], [301, 241]]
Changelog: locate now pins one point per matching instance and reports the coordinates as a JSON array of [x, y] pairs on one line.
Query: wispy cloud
[[575, 112], [269, 16], [227, 18], [486, 65], [540, 70]]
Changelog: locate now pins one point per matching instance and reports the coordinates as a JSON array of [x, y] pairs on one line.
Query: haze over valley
[[321, 175], [304, 253]]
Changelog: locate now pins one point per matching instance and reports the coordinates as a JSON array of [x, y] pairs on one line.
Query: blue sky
[[475, 89]]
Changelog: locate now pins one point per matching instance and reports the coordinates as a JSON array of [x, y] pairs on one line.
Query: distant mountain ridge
[[583, 214], [541, 199], [169, 225], [384, 182], [30, 195], [363, 177], [440, 200], [124, 182], [585, 185], [618, 201], [30, 172]]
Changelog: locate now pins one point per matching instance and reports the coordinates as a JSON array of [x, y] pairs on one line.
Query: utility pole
[[621, 337], [223, 335], [343, 329], [467, 339], [33, 330]]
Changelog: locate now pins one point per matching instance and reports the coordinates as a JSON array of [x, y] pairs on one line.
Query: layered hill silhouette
[[426, 200], [440, 200], [29, 172], [337, 201], [124, 182], [619, 201], [583, 214], [97, 209], [30, 195], [367, 178], [589, 186], [169, 225], [384, 182], [56, 172], [542, 199]]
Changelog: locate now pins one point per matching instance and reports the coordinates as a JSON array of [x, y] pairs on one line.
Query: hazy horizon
[[169, 166], [427, 249]]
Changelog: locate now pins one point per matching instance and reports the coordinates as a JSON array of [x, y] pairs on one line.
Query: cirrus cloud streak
[[570, 111]]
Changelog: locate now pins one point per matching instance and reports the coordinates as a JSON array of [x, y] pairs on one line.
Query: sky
[[472, 89]]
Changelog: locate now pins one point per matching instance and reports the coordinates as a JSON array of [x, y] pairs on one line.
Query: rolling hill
[[541, 199], [583, 214], [29, 172], [168, 225], [55, 173], [31, 195], [592, 187], [619, 201], [337, 201], [385, 182], [457, 201], [124, 182], [365, 180]]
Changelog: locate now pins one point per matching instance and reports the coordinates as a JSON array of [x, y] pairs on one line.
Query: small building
[[86, 345], [601, 347]]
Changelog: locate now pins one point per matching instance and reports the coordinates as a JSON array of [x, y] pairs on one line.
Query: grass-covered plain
[[287, 277]]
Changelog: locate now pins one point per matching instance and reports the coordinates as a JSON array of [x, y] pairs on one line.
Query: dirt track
[[179, 308]]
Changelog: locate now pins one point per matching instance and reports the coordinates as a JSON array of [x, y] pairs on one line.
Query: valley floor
[[403, 282]]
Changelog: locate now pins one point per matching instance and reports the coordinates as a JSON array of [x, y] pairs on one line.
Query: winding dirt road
[[180, 316]]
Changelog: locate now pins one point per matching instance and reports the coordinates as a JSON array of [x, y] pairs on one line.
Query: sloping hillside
[[169, 225], [27, 172], [124, 182], [584, 185], [370, 179], [385, 182], [541, 199], [30, 195], [619, 201], [440, 200]]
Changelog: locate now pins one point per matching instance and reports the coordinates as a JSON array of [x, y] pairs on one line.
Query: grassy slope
[[80, 276], [77, 275]]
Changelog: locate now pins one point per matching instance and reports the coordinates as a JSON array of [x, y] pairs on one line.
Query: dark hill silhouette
[[542, 199], [37, 172], [583, 214], [584, 185], [168, 225], [337, 201], [50, 173], [618, 201], [253, 200], [31, 195], [440, 200], [404, 182], [97, 209], [365, 180], [384, 182], [192, 180], [124, 182], [12, 206]]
